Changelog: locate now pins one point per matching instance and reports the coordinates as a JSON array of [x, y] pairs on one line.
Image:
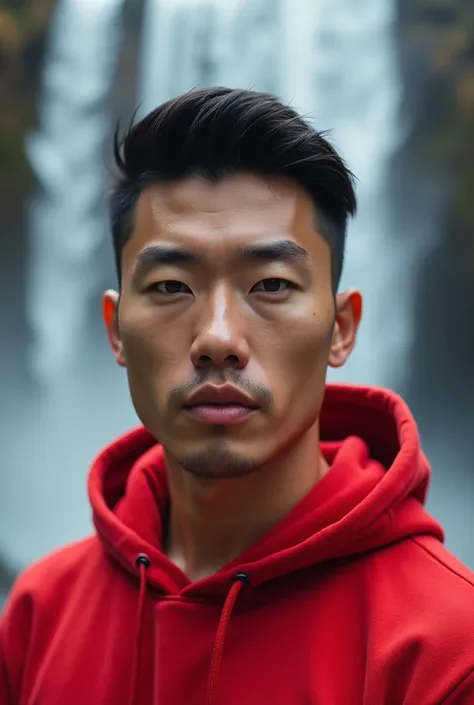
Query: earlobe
[[110, 301], [348, 317]]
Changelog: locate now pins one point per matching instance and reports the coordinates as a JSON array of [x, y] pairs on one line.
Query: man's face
[[226, 287]]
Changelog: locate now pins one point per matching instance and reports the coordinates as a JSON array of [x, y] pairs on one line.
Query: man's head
[[229, 221]]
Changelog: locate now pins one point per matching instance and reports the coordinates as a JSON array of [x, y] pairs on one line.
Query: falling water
[[67, 216], [78, 400]]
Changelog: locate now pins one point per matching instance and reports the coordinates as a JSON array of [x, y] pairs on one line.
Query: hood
[[372, 496]]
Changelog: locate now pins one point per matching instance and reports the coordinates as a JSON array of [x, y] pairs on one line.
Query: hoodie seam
[[190, 601], [457, 686], [442, 563]]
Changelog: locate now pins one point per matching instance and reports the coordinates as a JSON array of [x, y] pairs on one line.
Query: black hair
[[215, 132]]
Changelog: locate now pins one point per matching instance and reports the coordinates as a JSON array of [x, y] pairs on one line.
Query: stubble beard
[[218, 463]]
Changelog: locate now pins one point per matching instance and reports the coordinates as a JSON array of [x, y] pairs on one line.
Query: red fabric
[[350, 599]]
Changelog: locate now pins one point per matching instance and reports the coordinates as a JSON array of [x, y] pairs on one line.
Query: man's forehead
[[235, 192], [238, 205], [195, 216]]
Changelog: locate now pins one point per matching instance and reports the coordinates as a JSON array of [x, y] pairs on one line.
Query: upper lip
[[224, 394]]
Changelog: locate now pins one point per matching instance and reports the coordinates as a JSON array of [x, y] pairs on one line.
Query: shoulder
[[420, 579], [445, 587], [35, 604], [424, 565], [450, 581], [425, 599], [440, 559], [42, 592], [48, 577]]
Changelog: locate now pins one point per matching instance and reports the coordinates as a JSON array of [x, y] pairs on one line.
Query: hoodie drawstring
[[142, 562], [239, 581]]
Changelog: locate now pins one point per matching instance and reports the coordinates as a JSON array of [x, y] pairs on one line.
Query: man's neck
[[212, 521]]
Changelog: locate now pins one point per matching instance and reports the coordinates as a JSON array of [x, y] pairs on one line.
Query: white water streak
[[67, 217]]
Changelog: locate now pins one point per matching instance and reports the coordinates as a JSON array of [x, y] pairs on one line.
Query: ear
[[348, 316], [110, 302]]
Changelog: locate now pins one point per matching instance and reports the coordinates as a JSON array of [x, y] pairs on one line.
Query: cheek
[[301, 356], [148, 344], [142, 350], [152, 362]]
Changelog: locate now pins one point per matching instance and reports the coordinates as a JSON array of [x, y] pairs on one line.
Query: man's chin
[[218, 463]]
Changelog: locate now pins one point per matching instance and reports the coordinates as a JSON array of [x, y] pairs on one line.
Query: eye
[[170, 287], [275, 285]]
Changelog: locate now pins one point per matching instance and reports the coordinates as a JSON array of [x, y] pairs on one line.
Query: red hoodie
[[350, 600]]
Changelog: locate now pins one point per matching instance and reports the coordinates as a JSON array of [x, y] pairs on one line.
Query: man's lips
[[220, 405], [219, 415], [224, 395]]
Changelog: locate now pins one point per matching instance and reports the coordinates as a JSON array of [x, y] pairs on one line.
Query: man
[[272, 548]]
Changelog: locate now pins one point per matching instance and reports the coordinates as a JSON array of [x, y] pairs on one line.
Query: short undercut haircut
[[217, 132]]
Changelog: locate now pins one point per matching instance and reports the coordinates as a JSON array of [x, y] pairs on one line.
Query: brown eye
[[170, 287], [275, 285]]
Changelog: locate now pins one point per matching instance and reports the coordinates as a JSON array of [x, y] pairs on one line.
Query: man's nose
[[220, 341]]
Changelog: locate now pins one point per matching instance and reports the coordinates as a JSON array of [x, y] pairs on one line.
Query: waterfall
[[81, 400], [67, 220], [357, 94]]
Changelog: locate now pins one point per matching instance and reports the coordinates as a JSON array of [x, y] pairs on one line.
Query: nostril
[[205, 359], [232, 358]]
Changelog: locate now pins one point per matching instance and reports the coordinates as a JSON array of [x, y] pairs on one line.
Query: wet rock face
[[6, 578], [434, 173], [433, 198]]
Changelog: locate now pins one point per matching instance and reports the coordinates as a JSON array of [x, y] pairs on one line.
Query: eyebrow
[[154, 255], [285, 250], [282, 250]]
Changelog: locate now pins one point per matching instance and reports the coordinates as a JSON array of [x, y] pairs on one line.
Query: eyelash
[[287, 287], [154, 287]]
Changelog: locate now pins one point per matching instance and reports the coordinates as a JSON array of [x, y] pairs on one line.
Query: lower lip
[[219, 415]]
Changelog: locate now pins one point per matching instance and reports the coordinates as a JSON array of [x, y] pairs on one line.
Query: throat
[[210, 523]]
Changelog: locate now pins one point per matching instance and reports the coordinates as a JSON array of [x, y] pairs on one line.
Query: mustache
[[259, 393]]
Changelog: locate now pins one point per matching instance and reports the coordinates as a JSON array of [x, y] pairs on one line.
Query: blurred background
[[392, 79]]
